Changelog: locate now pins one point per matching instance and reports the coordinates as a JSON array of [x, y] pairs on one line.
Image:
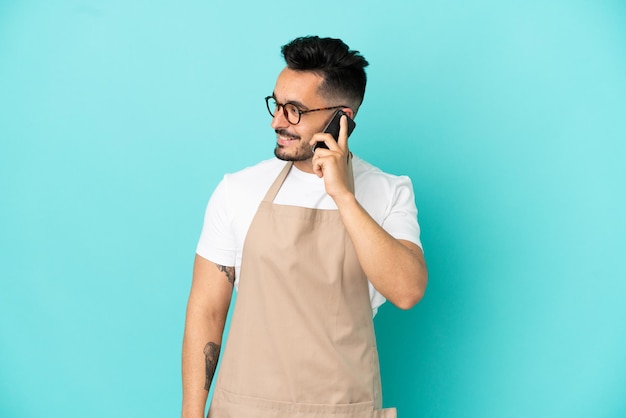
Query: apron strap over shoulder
[[275, 187]]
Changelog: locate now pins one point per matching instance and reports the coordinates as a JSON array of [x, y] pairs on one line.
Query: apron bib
[[301, 342]]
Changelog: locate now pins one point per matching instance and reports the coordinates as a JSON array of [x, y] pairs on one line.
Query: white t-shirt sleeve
[[217, 241], [401, 218]]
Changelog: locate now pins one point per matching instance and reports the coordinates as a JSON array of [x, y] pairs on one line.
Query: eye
[[292, 110]]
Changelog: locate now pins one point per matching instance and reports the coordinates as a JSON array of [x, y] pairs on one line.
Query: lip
[[285, 140]]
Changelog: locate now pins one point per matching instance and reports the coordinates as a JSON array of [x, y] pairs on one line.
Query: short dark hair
[[342, 69]]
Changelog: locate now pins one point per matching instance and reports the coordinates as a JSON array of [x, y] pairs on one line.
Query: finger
[[343, 133], [324, 138], [317, 166]]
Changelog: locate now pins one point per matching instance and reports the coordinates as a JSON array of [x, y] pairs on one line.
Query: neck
[[306, 166]]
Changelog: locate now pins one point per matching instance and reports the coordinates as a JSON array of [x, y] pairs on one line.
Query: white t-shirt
[[388, 199]]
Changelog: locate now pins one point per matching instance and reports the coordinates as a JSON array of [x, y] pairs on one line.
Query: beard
[[302, 153]]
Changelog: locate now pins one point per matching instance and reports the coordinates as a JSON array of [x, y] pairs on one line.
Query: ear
[[348, 112]]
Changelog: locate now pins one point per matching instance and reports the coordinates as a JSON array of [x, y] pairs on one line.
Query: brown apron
[[301, 342]]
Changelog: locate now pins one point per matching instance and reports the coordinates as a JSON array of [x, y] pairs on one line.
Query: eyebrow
[[298, 104]]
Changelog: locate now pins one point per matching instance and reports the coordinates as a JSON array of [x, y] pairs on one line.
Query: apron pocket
[[385, 413], [230, 405]]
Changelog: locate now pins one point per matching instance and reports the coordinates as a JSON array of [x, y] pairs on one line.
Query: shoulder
[[389, 199], [370, 176], [265, 167], [253, 178], [381, 194]]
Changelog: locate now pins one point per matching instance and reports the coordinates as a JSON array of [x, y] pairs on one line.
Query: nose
[[279, 121]]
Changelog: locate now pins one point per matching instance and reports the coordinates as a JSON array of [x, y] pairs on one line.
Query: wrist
[[345, 200]]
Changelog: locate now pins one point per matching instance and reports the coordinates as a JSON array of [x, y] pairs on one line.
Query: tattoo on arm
[[211, 355], [229, 271]]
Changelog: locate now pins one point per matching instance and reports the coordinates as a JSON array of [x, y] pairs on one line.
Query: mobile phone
[[333, 128]]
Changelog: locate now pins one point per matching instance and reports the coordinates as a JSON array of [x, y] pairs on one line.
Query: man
[[314, 241]]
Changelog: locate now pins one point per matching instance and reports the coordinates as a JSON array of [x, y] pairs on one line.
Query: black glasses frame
[[300, 111]]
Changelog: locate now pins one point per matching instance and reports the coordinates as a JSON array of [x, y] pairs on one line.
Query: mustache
[[283, 132]]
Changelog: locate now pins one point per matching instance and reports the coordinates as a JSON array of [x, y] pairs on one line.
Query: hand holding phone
[[333, 128]]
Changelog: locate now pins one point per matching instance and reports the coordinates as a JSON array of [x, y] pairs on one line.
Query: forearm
[[207, 308], [395, 268], [201, 349]]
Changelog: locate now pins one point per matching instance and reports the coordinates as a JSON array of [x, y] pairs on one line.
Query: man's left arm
[[396, 268]]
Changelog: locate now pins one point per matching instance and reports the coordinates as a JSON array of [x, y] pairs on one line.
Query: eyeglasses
[[290, 110]]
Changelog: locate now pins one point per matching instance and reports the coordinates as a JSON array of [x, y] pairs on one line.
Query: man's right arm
[[209, 299]]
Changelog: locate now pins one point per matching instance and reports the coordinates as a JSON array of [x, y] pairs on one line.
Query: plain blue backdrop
[[118, 118]]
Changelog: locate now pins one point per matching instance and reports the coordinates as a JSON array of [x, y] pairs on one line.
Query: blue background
[[118, 118]]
